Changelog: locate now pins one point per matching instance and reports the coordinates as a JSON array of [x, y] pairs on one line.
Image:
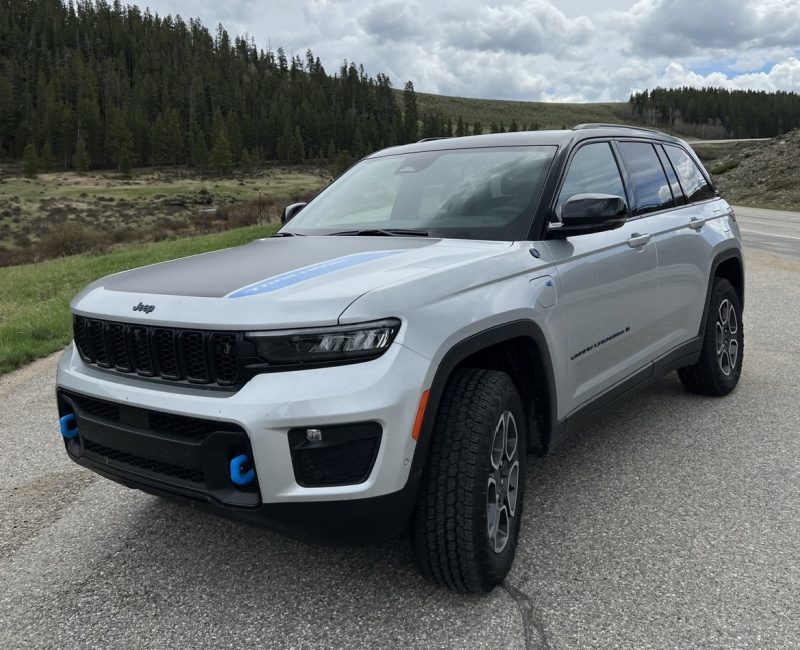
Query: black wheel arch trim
[[461, 351], [719, 258]]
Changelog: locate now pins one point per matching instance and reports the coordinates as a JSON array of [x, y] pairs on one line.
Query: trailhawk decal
[[276, 282], [613, 336]]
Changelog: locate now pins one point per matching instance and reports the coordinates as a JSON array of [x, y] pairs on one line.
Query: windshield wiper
[[288, 234], [384, 232]]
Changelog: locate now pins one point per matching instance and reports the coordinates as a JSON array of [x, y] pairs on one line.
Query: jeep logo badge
[[145, 308]]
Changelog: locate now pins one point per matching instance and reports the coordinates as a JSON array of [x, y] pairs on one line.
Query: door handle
[[696, 224], [636, 240]]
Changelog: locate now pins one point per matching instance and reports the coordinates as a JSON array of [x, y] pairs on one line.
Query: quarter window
[[695, 185], [650, 186], [593, 170]]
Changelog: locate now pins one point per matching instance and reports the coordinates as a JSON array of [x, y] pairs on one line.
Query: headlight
[[357, 342]]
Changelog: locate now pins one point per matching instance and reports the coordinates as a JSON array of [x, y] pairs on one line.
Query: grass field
[[37, 214], [546, 114], [34, 298]]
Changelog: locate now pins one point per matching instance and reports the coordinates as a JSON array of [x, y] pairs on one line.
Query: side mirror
[[291, 210], [587, 213]]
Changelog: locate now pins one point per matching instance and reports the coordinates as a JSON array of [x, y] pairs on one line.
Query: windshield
[[486, 193]]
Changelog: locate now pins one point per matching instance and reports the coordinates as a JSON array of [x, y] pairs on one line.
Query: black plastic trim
[[724, 256], [683, 355], [454, 357]]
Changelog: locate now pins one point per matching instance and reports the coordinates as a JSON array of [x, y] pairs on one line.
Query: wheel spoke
[[723, 312], [492, 510], [733, 352], [511, 436], [725, 363], [499, 442], [720, 338], [512, 487], [733, 321]]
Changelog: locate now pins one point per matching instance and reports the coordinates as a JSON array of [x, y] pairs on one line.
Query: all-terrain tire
[[452, 526], [717, 370]]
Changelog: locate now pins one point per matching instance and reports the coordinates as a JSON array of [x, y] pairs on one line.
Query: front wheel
[[720, 364], [467, 520]]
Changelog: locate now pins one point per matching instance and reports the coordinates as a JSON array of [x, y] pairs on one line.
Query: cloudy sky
[[570, 50]]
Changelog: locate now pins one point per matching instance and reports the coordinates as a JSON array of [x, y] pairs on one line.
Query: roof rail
[[601, 125], [438, 137]]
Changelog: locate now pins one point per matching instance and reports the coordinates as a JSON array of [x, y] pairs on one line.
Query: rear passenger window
[[650, 186], [677, 192], [695, 185], [593, 170]]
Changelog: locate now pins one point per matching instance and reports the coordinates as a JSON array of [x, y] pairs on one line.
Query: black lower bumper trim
[[351, 522]]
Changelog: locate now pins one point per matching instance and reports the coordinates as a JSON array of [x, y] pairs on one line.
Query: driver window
[[593, 170]]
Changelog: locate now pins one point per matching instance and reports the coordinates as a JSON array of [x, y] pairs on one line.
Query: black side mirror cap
[[291, 210], [587, 213]]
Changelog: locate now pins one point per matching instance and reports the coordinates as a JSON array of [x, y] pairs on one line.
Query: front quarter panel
[[441, 311]]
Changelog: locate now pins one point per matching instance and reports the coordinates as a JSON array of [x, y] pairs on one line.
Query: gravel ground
[[673, 523]]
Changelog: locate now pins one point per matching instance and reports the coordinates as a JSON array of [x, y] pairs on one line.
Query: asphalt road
[[775, 231], [673, 523]]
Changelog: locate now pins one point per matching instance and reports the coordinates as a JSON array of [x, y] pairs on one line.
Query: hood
[[274, 282]]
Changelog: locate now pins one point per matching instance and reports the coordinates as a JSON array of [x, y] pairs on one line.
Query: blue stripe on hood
[[268, 285]]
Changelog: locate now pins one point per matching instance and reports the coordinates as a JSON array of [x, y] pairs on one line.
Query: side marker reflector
[[423, 402], [69, 426], [237, 475]]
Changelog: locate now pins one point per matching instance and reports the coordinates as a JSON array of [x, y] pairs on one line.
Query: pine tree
[[296, 152], [221, 160], [125, 159], [81, 160], [477, 128], [410, 113], [30, 160]]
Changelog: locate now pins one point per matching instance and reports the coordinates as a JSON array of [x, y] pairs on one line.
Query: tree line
[[87, 84], [717, 112]]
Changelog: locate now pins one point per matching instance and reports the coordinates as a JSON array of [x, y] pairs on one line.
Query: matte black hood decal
[[261, 266]]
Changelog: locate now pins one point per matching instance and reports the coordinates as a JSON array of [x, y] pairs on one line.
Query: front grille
[[147, 464], [172, 354], [177, 426]]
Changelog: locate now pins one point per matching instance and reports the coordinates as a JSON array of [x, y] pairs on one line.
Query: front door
[[606, 315]]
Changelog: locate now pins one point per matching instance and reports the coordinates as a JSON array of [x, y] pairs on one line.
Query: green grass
[[34, 298], [547, 115]]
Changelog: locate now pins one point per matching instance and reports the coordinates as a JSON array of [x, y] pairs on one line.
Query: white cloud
[[575, 50]]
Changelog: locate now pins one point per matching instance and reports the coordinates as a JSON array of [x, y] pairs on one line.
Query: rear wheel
[[467, 520], [720, 364]]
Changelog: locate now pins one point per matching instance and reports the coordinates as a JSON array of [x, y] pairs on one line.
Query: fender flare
[[722, 256], [461, 351]]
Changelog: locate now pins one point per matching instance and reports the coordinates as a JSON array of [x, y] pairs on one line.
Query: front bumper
[[385, 391]]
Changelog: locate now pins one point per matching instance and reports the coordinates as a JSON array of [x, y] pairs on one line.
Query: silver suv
[[392, 355]]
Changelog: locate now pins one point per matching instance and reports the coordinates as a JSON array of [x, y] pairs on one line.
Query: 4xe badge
[[145, 308]]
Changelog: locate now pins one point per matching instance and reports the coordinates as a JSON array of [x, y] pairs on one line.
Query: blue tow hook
[[69, 426], [239, 477]]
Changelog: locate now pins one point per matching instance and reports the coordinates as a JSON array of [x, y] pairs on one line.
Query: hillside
[[763, 175], [545, 115]]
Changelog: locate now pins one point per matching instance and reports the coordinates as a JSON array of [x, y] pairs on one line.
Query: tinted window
[[593, 170], [650, 187], [677, 192], [695, 186]]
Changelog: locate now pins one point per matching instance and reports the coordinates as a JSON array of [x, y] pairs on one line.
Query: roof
[[527, 138]]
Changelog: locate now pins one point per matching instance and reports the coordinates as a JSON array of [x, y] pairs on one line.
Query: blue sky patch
[[277, 282]]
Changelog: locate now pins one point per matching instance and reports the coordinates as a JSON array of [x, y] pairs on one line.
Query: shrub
[[70, 239]]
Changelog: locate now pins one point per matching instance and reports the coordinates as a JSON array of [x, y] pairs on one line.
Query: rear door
[[606, 314], [684, 238]]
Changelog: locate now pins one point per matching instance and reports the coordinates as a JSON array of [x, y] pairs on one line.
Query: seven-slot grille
[[196, 356]]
